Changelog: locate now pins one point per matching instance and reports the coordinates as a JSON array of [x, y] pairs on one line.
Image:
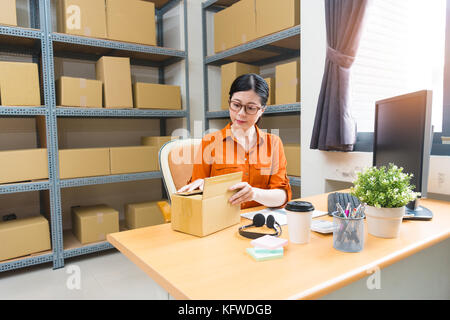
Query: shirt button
[[246, 173]]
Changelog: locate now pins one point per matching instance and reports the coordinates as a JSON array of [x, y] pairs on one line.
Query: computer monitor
[[403, 136]]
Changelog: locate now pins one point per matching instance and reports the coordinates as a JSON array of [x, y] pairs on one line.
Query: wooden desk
[[218, 267]]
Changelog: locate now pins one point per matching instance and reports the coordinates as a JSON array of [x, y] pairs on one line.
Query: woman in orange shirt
[[242, 146]]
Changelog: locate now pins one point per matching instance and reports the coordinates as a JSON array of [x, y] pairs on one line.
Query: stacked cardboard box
[[82, 17], [230, 72], [115, 73], [133, 159], [78, 92], [274, 16], [23, 165], [132, 21], [19, 84], [247, 20], [23, 236], [8, 13], [143, 214], [292, 153], [271, 84], [156, 96], [93, 223], [156, 142], [287, 83], [78, 163]]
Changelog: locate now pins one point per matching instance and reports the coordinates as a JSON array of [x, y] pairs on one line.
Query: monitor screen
[[403, 135]]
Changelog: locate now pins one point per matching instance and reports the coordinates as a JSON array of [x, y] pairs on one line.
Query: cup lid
[[299, 206]]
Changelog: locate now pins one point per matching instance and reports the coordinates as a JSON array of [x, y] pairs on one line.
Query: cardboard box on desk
[[115, 73], [8, 14], [78, 92], [203, 213], [229, 73], [287, 83], [143, 214], [274, 16], [133, 159], [293, 158], [82, 17], [131, 21], [79, 163], [23, 165], [19, 84], [156, 96], [24, 236], [93, 223]]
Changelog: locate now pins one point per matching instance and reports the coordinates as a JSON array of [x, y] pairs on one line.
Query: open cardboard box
[[202, 213]]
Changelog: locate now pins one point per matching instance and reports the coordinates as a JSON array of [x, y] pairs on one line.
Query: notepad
[[263, 256], [269, 242]]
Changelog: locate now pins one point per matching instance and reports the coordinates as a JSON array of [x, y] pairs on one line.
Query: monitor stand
[[415, 212]]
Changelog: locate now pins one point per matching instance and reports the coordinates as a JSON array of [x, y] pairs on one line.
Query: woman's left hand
[[246, 193]]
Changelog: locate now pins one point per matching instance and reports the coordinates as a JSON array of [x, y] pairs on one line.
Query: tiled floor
[[105, 275]]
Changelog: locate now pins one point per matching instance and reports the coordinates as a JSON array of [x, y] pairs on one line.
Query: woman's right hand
[[197, 184]]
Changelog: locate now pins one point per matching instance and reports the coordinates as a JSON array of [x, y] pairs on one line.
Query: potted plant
[[385, 193]]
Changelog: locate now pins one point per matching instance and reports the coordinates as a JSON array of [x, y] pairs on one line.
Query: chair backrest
[[176, 160]]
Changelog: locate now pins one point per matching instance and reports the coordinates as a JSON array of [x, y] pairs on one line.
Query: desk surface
[[218, 267]]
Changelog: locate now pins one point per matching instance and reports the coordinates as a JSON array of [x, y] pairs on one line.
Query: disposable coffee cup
[[299, 216]]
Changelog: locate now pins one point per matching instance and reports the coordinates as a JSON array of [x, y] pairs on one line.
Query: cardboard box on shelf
[[82, 17], [271, 84], [287, 83], [230, 72], [245, 20], [79, 92], [156, 96], [22, 237], [293, 157], [203, 213], [23, 165], [115, 73], [78, 163], [224, 26], [131, 21], [93, 223], [274, 16], [133, 159], [143, 214], [8, 14], [157, 142], [19, 84]]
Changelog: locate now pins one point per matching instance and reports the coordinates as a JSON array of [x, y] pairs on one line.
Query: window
[[402, 50]]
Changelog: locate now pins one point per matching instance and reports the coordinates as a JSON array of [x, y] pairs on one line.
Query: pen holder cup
[[348, 234]]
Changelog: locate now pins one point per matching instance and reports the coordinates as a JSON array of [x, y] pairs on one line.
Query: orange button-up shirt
[[263, 166]]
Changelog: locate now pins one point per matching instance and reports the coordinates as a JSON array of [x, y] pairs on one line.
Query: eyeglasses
[[249, 108]]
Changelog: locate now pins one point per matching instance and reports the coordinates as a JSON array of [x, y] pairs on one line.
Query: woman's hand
[[246, 193], [197, 184]]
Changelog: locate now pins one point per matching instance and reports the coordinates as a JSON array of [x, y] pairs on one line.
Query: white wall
[[327, 171]]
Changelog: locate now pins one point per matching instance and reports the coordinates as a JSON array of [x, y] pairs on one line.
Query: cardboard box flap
[[190, 193], [218, 185]]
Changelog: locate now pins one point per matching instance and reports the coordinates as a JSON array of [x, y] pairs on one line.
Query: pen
[[340, 209], [347, 210]]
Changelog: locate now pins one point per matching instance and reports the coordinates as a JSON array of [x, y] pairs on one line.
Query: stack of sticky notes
[[267, 248]]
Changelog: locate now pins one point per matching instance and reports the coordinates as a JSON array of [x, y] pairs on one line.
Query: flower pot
[[384, 222]]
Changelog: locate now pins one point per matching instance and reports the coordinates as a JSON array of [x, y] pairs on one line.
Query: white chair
[[176, 160]]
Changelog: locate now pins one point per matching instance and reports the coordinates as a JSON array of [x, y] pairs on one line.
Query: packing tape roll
[[100, 218]]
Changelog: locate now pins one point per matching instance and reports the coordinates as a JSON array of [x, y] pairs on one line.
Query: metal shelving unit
[[272, 48], [44, 44]]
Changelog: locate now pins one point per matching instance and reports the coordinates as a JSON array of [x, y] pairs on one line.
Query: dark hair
[[251, 81]]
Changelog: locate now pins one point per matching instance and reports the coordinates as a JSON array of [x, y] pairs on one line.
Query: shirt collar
[[226, 133]]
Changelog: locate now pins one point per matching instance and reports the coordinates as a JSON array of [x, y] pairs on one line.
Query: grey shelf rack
[[43, 44], [272, 48]]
